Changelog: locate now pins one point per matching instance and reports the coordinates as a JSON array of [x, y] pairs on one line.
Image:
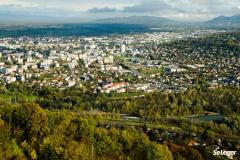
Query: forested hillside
[[48, 123]]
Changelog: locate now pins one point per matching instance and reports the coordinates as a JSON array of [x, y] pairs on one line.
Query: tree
[[32, 119]]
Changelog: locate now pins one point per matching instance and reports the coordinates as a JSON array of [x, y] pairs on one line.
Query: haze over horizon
[[86, 10]]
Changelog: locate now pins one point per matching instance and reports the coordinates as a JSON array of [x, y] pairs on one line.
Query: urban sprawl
[[116, 63]]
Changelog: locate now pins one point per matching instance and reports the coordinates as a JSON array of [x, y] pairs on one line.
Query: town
[[117, 63]]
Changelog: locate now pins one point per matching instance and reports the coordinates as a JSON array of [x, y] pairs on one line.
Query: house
[[10, 79], [108, 60], [71, 65], [5, 70], [71, 83], [118, 87], [174, 69]]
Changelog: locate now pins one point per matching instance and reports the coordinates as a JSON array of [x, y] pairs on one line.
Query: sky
[[87, 10]]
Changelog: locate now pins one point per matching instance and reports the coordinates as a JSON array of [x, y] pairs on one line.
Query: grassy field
[[149, 71]]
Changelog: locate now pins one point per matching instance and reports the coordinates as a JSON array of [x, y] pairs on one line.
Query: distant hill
[[122, 25], [149, 21], [83, 29], [224, 21]]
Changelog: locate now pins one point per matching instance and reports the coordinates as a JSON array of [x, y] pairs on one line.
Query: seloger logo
[[229, 154]]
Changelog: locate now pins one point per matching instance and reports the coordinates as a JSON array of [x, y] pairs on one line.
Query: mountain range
[[233, 21], [151, 21], [147, 21], [122, 25], [140, 20]]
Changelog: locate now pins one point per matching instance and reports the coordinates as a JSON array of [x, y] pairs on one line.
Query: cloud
[[192, 10], [102, 10], [150, 7]]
